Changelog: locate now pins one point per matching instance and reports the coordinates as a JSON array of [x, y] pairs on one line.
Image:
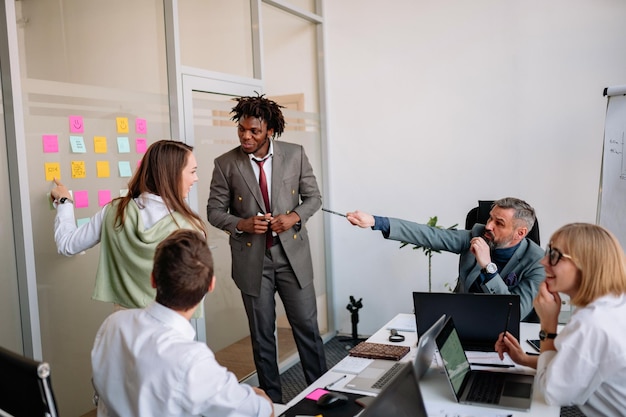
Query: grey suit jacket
[[521, 275], [235, 195]]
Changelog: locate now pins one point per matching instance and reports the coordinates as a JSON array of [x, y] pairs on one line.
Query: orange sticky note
[[100, 144], [122, 124], [78, 169], [53, 170], [103, 170]]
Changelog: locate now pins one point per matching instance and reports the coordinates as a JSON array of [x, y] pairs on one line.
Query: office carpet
[[293, 378]]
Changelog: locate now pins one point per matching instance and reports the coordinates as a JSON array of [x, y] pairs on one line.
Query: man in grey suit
[[496, 258], [262, 194]]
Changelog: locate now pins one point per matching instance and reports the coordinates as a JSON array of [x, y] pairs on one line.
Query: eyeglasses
[[555, 255]]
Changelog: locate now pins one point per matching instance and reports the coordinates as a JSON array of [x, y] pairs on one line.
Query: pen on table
[[333, 212], [334, 382], [494, 365]]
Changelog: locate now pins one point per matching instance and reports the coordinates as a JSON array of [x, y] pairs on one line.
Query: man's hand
[[255, 225], [481, 250], [284, 222], [361, 219]]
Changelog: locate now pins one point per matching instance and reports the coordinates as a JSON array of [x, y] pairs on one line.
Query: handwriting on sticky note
[[53, 170], [78, 169], [100, 144]]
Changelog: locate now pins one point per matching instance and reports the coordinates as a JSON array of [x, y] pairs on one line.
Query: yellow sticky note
[[100, 144], [102, 167], [78, 169], [122, 124], [53, 170]]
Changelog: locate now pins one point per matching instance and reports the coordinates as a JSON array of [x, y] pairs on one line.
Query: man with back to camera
[[262, 194], [145, 362], [496, 258]]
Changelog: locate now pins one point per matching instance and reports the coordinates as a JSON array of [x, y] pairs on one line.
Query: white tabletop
[[436, 391]]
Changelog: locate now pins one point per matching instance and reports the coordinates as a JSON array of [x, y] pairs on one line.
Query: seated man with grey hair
[[495, 258]]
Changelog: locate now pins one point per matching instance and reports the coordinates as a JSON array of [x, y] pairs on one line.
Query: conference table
[[436, 391]]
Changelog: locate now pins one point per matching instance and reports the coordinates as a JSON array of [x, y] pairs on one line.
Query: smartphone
[[534, 343]]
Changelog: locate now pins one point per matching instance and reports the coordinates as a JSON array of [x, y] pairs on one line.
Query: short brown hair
[[597, 254], [183, 270]]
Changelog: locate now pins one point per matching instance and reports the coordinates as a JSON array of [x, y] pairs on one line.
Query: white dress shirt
[[588, 367], [71, 240], [146, 363]]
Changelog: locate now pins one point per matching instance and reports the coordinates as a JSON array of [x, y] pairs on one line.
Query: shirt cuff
[[382, 224]]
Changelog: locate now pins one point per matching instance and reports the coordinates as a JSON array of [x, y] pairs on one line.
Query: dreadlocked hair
[[261, 108]]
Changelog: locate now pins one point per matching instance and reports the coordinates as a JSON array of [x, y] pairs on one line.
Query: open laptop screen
[[479, 318]]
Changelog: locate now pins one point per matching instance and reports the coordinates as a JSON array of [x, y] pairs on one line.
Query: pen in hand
[[508, 318], [333, 212]]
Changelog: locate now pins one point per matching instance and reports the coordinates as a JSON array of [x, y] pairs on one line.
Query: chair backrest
[[25, 387], [480, 215]]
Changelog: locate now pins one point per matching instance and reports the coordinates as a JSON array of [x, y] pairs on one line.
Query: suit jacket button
[[248, 244], [295, 236], [293, 192], [239, 198], [288, 211]]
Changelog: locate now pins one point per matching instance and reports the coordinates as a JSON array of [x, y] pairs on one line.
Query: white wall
[[436, 104]]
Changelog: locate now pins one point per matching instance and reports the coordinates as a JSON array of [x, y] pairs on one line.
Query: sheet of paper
[[404, 323], [352, 365]]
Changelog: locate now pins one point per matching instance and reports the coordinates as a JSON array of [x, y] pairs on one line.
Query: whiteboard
[[612, 198]]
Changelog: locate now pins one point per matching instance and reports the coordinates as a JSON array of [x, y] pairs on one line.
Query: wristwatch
[[491, 268], [62, 200], [543, 335]]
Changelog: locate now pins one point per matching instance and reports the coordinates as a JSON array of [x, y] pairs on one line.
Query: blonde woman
[[585, 363]]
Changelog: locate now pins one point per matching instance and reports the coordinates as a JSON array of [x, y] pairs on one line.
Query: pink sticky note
[[81, 199], [140, 144], [141, 126], [316, 394], [104, 196], [76, 124], [50, 143]]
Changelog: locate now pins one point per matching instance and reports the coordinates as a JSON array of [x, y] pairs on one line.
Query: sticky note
[[104, 196], [124, 167], [78, 169], [81, 221], [76, 124], [141, 126], [123, 146], [140, 145], [53, 170], [77, 144], [102, 169], [50, 143], [100, 144], [123, 192], [122, 124], [81, 199]]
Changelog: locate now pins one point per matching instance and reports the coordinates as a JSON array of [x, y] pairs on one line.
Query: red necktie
[[269, 240]]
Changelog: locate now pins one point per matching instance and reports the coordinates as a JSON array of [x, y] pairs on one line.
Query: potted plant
[[432, 222]]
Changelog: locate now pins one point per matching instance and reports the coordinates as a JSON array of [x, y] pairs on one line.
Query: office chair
[[480, 215], [25, 387]]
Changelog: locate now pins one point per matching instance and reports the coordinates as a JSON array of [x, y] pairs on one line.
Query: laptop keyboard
[[486, 387], [388, 376]]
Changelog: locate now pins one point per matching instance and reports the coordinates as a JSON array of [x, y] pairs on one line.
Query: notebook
[[479, 318], [400, 398], [377, 375], [484, 388]]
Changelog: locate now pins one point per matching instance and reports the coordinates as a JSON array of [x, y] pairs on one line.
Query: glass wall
[[95, 94], [10, 325]]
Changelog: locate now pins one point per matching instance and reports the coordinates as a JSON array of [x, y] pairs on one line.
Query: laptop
[[377, 375], [400, 398], [480, 318], [484, 388]]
